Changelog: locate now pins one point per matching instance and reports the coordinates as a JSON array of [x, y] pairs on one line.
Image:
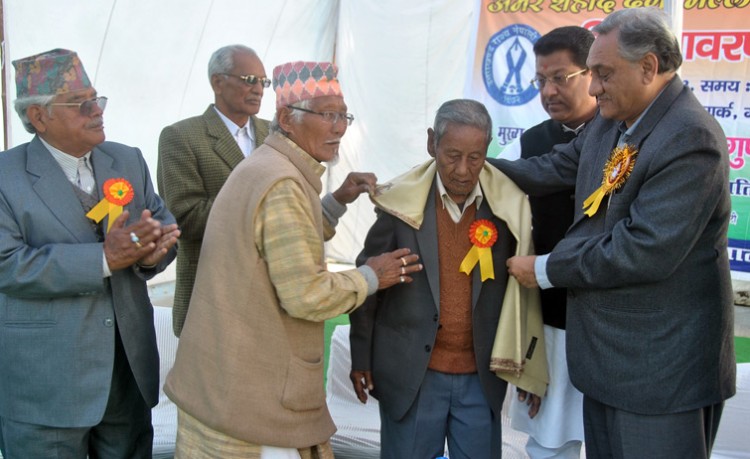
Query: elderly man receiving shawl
[[424, 348]]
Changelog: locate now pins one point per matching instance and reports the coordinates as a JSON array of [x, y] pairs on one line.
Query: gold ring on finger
[[403, 261]]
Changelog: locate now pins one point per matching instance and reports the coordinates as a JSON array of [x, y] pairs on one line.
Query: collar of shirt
[[575, 131], [454, 210], [68, 163], [234, 129]]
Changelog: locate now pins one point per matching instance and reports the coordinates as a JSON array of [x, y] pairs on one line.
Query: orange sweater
[[454, 344]]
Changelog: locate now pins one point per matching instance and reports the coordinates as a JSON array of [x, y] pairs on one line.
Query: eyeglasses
[[86, 108], [252, 79], [559, 81], [330, 117]]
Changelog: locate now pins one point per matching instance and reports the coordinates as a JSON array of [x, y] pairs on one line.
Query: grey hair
[[22, 104], [465, 112], [222, 60], [296, 117], [643, 31]]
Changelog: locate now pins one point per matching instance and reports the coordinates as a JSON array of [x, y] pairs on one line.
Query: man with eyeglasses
[[196, 155], [649, 308], [556, 427], [80, 366], [248, 375]]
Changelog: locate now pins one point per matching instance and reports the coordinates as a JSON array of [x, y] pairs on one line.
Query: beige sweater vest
[[244, 367]]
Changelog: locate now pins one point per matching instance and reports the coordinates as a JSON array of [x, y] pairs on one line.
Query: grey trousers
[[617, 434], [449, 409], [125, 431]]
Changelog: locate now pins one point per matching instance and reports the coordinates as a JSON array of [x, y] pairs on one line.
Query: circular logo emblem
[[508, 65]]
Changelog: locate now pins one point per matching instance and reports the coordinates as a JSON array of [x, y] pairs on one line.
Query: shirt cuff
[[370, 277], [105, 266], [540, 271], [332, 209]]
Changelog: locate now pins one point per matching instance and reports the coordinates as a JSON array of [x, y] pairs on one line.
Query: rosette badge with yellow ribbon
[[118, 192], [482, 235], [616, 173]]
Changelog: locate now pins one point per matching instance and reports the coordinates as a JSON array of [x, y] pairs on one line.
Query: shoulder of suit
[[119, 150], [12, 158], [190, 123], [688, 111], [15, 151], [262, 121], [541, 127]]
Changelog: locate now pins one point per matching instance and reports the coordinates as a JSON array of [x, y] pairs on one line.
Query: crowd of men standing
[[624, 193]]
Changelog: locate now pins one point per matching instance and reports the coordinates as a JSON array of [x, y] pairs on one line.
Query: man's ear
[[38, 117], [284, 116], [216, 82], [431, 142], [649, 67]]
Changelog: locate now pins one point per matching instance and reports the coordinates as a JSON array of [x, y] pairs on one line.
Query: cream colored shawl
[[518, 354]]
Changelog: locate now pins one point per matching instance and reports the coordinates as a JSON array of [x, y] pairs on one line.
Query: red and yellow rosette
[[118, 192], [616, 173], [482, 235]]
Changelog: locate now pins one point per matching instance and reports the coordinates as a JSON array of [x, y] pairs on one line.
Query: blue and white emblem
[[508, 65]]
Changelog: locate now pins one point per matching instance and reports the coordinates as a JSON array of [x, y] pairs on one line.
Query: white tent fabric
[[398, 62]]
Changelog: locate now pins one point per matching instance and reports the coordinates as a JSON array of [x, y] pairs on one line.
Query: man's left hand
[[533, 401], [522, 268], [355, 184], [168, 238]]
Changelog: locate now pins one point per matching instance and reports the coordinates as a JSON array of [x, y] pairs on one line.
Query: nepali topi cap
[[50, 73], [297, 81]]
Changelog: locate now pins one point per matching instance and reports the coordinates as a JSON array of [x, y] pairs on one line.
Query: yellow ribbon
[[592, 202], [103, 209], [482, 235], [482, 255], [117, 193], [616, 173]]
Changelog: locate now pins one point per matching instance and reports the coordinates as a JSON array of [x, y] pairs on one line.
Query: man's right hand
[[119, 247], [394, 267], [362, 382]]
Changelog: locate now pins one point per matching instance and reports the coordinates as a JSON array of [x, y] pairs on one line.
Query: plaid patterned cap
[[53, 72], [296, 81]]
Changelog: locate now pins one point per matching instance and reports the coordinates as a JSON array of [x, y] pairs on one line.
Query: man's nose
[[595, 87], [549, 89]]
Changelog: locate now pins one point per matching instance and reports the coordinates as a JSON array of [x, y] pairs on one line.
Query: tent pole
[[3, 97]]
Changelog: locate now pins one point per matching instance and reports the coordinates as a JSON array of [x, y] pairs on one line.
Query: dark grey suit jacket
[[650, 316], [57, 312], [392, 334]]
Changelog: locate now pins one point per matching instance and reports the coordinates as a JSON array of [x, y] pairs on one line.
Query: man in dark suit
[[423, 348], [650, 318], [80, 366], [555, 427], [197, 154]]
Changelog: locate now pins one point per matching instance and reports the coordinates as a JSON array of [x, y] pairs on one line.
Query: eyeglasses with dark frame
[[559, 80], [252, 79], [86, 108], [330, 117]]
